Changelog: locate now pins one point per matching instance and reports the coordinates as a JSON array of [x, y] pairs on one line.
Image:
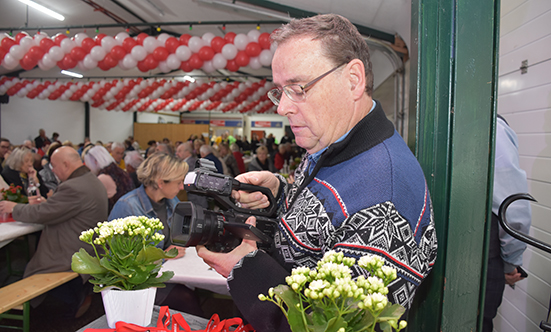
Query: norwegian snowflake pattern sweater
[[365, 195]]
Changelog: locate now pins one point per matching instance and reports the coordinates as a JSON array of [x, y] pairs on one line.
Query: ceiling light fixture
[[43, 9], [70, 73]]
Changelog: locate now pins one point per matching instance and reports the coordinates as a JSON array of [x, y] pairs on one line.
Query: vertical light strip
[[43, 9]]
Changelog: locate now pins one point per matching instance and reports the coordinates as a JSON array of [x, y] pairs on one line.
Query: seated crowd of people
[[80, 186]]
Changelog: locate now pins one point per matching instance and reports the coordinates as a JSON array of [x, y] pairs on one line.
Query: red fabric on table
[[9, 219]]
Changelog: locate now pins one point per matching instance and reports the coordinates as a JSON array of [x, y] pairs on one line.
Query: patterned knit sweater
[[366, 195]]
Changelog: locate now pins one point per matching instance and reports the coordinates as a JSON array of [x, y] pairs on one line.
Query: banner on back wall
[[267, 124]]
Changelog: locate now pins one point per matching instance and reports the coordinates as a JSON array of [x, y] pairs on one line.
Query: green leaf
[[335, 323], [385, 327], [152, 254], [83, 263], [295, 316], [392, 311]]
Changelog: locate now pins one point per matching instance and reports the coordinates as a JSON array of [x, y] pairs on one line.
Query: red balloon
[[7, 43], [185, 66], [129, 44], [184, 39], [36, 53], [104, 67], [160, 54], [264, 40], [20, 36], [150, 62], [2, 55], [58, 38], [68, 61], [46, 44], [232, 66], [27, 62], [110, 61], [229, 37], [118, 52], [61, 66], [172, 44], [206, 53], [217, 43], [78, 53], [242, 59], [87, 44], [98, 38], [253, 49], [141, 37], [195, 61]]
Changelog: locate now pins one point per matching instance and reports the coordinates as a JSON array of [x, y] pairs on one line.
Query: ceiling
[[375, 17]]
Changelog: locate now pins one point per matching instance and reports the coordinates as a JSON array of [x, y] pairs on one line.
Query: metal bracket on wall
[[524, 67]]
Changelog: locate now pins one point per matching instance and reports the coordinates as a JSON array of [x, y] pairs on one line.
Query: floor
[[47, 317]]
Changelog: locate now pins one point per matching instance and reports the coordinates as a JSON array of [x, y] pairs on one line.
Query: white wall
[[21, 119], [525, 101]]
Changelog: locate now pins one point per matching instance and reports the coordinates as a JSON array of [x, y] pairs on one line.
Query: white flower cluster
[[134, 226]]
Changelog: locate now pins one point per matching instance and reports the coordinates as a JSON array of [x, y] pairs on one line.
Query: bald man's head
[[65, 161]]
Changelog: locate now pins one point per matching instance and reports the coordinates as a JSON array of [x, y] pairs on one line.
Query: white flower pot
[[134, 306]]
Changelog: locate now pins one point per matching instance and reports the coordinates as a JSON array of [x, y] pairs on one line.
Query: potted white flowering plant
[[327, 299], [127, 265]]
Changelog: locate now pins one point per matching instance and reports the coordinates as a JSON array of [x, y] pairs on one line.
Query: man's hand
[[36, 200], [181, 251], [223, 263], [513, 277], [256, 200], [7, 206]]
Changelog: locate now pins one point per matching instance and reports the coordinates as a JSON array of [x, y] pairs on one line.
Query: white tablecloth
[[192, 271], [11, 230]]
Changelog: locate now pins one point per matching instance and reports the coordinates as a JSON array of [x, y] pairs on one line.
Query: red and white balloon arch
[[152, 95], [144, 52]]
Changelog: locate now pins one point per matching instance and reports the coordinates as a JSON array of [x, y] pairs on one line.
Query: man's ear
[[356, 75]]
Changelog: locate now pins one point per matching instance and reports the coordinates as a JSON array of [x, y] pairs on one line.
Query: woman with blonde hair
[[162, 177], [261, 162], [19, 169]]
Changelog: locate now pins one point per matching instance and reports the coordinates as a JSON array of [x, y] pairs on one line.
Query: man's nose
[[286, 106]]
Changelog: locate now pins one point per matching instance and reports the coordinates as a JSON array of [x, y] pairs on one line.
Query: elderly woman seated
[[19, 169], [116, 181], [162, 177]]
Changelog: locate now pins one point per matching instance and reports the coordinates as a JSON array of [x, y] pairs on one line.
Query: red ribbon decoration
[[177, 323]]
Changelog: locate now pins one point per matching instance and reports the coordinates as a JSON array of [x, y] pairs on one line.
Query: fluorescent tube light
[[189, 78], [43, 9], [70, 73]]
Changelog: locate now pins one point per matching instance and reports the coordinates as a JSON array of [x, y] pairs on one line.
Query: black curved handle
[[513, 232]]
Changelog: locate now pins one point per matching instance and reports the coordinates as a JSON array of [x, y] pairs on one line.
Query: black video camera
[[220, 231]]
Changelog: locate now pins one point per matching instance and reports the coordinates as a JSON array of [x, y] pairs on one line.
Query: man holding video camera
[[359, 189]]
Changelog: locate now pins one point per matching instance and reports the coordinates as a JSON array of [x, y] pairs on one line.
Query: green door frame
[[452, 117]]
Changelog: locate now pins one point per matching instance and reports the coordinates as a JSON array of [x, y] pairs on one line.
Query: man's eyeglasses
[[296, 92]]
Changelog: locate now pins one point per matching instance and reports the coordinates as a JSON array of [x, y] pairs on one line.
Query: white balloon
[[162, 38], [183, 53], [41, 96], [219, 62], [241, 41], [84, 98], [150, 44], [97, 53], [108, 43], [81, 66], [122, 66], [229, 51], [67, 45], [254, 63], [129, 62], [89, 62], [253, 35], [208, 66], [120, 37], [195, 43], [144, 84], [138, 53], [164, 67], [10, 62], [51, 88], [173, 62], [109, 95], [265, 57], [26, 42], [17, 52], [64, 97], [207, 37], [79, 37], [36, 39]]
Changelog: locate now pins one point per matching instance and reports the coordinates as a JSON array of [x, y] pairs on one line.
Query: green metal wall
[[454, 47]]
